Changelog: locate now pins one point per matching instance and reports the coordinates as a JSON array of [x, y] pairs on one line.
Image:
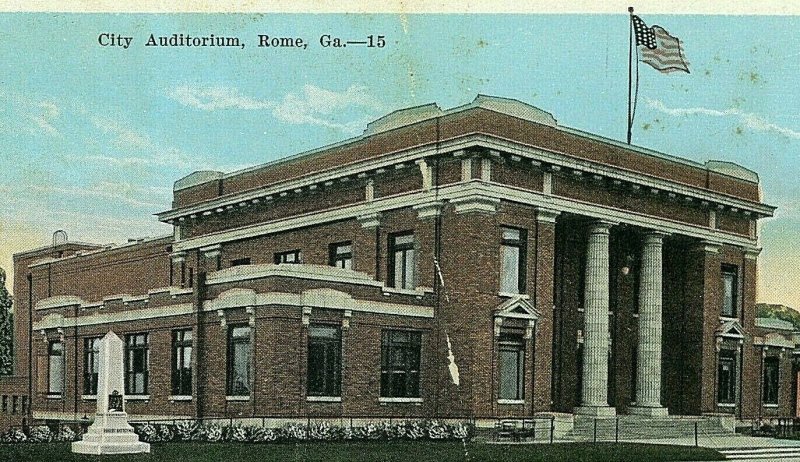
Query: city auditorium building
[[565, 272]]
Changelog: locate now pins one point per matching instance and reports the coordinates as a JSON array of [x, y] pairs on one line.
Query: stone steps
[[632, 427], [761, 453]]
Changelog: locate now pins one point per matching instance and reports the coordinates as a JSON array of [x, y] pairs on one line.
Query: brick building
[[577, 275]]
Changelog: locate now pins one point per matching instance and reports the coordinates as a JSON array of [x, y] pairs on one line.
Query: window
[[182, 362], [5, 404], [771, 376], [55, 369], [341, 255], [24, 404], [512, 254], [400, 355], [91, 364], [14, 404], [512, 367], [324, 361], [292, 256], [401, 261], [730, 283], [239, 361], [240, 261], [136, 364], [726, 377]]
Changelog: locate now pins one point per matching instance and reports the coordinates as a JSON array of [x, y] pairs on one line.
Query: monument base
[[648, 411], [110, 434], [596, 411]]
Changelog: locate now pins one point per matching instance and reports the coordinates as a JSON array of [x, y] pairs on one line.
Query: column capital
[[752, 254], [601, 226], [710, 246], [654, 237], [546, 215]]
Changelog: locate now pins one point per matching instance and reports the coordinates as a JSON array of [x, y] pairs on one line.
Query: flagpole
[[630, 71]]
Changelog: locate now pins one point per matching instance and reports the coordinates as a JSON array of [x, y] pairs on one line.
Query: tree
[[782, 312], [6, 328]]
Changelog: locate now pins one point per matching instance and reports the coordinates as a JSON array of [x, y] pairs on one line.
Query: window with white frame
[[512, 367], [324, 360], [137, 364], [727, 377], [513, 244], [400, 362], [341, 255], [401, 261], [771, 379], [91, 364], [55, 369], [289, 257], [239, 360]]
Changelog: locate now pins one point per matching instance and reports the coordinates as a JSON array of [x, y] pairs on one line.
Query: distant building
[[578, 275]]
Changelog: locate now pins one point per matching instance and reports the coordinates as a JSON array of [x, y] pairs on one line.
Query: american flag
[[657, 48]]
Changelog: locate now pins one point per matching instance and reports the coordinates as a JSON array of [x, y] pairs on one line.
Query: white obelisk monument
[[110, 433]]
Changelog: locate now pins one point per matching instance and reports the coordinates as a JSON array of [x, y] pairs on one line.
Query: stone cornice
[[472, 192], [455, 146], [314, 298]]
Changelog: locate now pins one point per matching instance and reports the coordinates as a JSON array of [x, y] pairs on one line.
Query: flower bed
[[295, 432], [435, 430], [40, 434]]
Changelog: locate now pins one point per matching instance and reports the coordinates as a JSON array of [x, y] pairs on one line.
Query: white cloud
[[30, 116], [312, 105], [116, 192], [216, 97], [145, 151], [749, 119]]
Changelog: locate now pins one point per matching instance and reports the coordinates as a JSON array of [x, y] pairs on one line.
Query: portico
[[594, 398]]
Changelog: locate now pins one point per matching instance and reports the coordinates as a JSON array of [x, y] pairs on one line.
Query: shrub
[[294, 432], [65, 434], [186, 430], [40, 434], [324, 431], [13, 436], [148, 433], [213, 433], [236, 434], [415, 431], [438, 430], [165, 433]]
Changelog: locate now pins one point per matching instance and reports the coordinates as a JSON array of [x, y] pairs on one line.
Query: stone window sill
[[237, 398], [137, 397], [513, 295], [419, 292], [324, 399], [55, 396], [772, 406], [726, 404], [180, 397], [416, 401], [89, 397], [510, 401]]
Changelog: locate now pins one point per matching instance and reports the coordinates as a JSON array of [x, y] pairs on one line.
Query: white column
[[648, 364], [594, 393]]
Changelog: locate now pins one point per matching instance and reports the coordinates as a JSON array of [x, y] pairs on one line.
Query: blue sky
[[93, 137]]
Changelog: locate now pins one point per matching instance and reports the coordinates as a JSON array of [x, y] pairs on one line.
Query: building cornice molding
[[470, 192], [298, 271], [456, 146], [58, 321], [314, 298]]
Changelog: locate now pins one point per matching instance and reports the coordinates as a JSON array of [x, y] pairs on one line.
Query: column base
[[659, 411], [596, 411]]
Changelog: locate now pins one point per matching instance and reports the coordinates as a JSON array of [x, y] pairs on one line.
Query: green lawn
[[384, 452]]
